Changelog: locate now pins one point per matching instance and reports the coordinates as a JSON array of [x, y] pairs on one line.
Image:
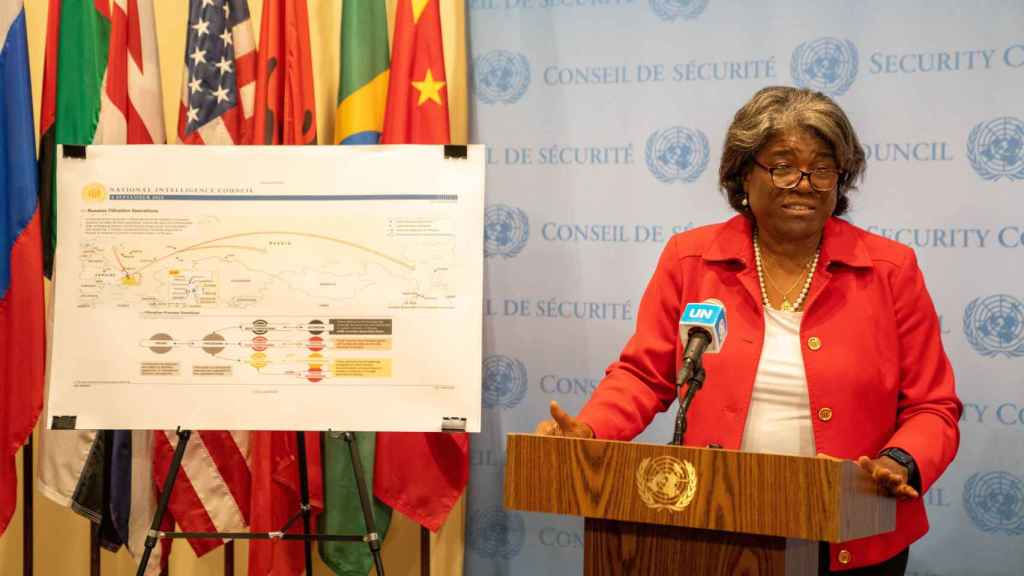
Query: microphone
[[703, 328]]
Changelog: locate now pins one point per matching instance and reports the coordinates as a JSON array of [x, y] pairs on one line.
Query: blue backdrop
[[604, 121]]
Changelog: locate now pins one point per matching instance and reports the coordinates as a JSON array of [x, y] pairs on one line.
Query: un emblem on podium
[[996, 149], [500, 76], [828, 65], [677, 153], [504, 382], [995, 502], [496, 533], [670, 10], [666, 483], [506, 230], [995, 325]]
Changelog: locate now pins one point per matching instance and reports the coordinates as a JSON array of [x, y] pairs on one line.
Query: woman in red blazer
[[834, 344]]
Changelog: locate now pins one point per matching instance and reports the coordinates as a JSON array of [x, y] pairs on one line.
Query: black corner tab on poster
[[63, 422], [74, 151], [453, 424], [457, 151]]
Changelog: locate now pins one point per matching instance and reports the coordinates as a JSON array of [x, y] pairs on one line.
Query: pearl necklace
[[786, 306]]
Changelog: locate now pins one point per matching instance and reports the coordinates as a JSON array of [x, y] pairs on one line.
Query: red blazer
[[877, 375]]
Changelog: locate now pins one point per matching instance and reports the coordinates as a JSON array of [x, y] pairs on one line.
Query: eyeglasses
[[788, 177]]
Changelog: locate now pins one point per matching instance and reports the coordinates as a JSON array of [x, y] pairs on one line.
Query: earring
[[744, 201]]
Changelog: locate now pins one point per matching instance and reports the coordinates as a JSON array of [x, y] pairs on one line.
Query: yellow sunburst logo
[[94, 192]]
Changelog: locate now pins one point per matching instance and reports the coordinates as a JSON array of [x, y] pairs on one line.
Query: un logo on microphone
[[995, 502], [670, 10], [500, 76], [828, 65], [506, 230], [677, 153], [496, 533], [996, 149], [995, 325], [504, 382]]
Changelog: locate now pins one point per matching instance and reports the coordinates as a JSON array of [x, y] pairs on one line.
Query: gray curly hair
[[778, 108]]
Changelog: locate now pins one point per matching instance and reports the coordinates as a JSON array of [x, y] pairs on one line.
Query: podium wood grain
[[625, 548], [764, 494]]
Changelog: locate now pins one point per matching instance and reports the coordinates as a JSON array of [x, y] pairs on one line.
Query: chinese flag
[[421, 475], [417, 110]]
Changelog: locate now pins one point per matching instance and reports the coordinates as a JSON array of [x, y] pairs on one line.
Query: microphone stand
[[696, 381]]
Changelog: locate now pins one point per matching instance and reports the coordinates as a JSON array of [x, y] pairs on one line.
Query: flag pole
[[424, 551], [94, 549], [27, 535], [229, 558]]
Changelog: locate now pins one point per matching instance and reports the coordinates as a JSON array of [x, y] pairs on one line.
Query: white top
[[779, 420]]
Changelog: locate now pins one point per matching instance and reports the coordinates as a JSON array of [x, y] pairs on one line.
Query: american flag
[[220, 69], [212, 491]]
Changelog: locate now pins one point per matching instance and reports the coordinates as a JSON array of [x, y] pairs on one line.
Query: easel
[[371, 537]]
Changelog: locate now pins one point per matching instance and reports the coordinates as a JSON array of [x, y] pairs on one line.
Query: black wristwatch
[[907, 461]]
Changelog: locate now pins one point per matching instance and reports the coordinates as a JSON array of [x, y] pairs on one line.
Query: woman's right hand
[[562, 424]]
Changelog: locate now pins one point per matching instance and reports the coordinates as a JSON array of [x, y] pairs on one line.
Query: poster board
[[268, 288]]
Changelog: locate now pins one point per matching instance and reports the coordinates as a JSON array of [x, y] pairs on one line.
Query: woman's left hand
[[890, 475]]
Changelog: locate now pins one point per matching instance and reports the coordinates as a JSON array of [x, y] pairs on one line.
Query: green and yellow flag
[[362, 97], [363, 91]]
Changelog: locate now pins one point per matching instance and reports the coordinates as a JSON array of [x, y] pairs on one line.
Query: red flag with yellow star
[[421, 475], [417, 108]]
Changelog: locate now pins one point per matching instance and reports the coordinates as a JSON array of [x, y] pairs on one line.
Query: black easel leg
[[300, 444], [26, 508], [372, 537], [165, 498]]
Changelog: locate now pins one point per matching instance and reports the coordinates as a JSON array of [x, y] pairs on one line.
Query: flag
[[74, 73], [212, 490], [107, 476], [422, 475], [285, 104], [132, 113], [343, 510], [417, 110], [285, 113], [362, 97], [213, 487], [132, 107], [22, 325], [363, 91], [276, 498], [220, 69]]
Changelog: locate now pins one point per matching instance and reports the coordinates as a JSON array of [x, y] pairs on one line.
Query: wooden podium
[[656, 509]]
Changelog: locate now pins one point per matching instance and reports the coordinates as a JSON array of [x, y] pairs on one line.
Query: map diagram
[[406, 263]]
